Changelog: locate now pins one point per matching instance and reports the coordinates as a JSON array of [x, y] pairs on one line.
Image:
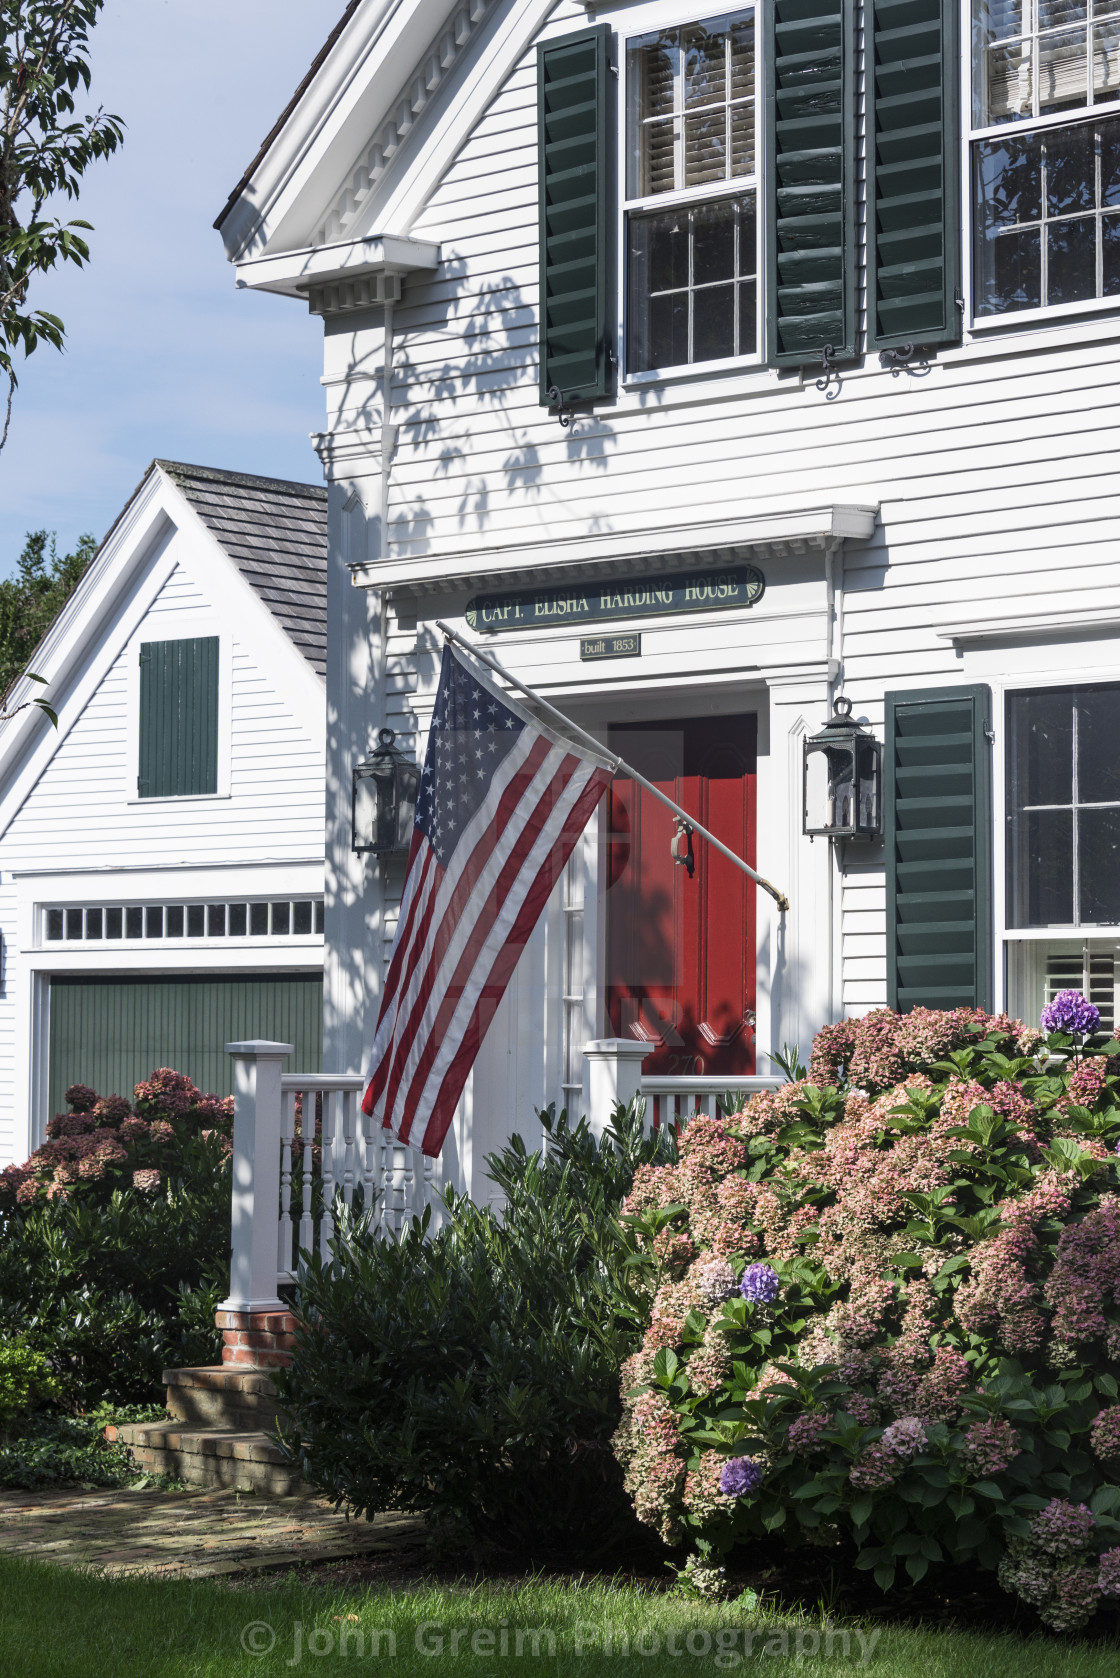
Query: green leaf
[[861, 1509], [884, 1575], [988, 1488], [917, 1567]]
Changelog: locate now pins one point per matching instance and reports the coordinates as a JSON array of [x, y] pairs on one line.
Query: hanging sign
[[716, 590]]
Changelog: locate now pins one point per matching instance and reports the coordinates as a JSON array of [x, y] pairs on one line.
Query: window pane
[[1098, 857], [73, 923], [713, 323], [668, 330], [704, 64], [1040, 747], [196, 920], [1062, 70], [713, 253], [705, 147], [1098, 745], [1110, 256], [258, 919], [281, 917], [54, 923], [175, 920], [1040, 868], [1069, 170], [1110, 162], [114, 920], [651, 67], [742, 59], [1010, 90], [319, 916], [301, 917], [1009, 179], [1053, 13], [134, 923], [238, 919], [742, 139], [216, 920], [93, 923], [1072, 260], [1010, 273], [748, 318], [1106, 62], [153, 920]]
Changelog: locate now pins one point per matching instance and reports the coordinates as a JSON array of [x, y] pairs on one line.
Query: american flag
[[502, 803]]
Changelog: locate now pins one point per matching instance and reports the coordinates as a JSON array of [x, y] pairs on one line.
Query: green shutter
[[574, 106], [178, 718], [811, 184], [913, 248], [938, 824], [111, 1033]]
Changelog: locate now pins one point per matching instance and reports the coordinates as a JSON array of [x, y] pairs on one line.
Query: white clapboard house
[[707, 363], [161, 852]]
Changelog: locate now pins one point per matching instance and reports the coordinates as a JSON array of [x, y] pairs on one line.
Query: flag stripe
[[454, 908], [495, 914], [506, 959]]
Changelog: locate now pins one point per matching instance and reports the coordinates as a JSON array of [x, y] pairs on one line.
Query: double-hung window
[[1045, 153], [691, 213]]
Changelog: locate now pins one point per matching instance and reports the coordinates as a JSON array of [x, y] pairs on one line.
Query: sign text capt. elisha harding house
[[617, 296]]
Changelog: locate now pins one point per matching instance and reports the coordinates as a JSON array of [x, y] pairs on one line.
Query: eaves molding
[[691, 546]]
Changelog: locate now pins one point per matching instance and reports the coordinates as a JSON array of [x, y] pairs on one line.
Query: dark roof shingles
[[275, 532]]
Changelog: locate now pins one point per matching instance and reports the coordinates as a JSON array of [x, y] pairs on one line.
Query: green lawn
[[58, 1624]]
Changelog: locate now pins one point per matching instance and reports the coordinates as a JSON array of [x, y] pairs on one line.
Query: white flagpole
[[618, 764]]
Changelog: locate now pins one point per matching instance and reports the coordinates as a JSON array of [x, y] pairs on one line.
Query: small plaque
[[610, 646]]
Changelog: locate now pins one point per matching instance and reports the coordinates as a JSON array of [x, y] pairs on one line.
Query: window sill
[[721, 370], [180, 799]]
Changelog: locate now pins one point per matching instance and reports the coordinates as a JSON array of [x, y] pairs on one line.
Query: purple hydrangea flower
[[740, 1476], [1070, 1011], [759, 1283]]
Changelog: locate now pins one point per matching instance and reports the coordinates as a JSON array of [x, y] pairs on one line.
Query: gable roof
[[275, 532]]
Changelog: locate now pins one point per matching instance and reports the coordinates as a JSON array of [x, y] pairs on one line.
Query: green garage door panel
[[111, 1033]]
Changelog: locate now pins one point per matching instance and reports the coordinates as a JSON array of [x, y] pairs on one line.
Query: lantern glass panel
[[830, 788], [365, 813]]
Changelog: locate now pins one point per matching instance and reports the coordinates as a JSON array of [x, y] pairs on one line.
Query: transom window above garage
[[131, 922]]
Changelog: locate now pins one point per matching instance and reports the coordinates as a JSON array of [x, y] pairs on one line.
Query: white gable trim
[[363, 79]]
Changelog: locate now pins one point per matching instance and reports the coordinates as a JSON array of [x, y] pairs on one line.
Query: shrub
[[473, 1375], [114, 1273], [882, 1311], [52, 1450], [25, 1380]]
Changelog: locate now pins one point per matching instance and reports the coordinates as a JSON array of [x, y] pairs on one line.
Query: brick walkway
[[189, 1534]]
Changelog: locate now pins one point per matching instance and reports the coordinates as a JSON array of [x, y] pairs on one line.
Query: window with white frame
[[691, 194], [1046, 189], [1063, 846]]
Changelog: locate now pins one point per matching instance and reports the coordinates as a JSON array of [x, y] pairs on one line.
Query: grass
[[60, 1624]]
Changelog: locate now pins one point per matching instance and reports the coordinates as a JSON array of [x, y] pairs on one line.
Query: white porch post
[[614, 1073], [256, 1176]]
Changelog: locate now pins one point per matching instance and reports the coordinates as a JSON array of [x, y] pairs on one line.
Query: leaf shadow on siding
[[482, 393]]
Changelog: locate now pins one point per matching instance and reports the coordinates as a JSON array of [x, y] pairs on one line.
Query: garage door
[[111, 1033]]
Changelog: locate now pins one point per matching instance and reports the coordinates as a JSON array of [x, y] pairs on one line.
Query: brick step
[[247, 1459], [221, 1397]]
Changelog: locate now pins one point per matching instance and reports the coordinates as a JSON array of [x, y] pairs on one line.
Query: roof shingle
[[275, 532]]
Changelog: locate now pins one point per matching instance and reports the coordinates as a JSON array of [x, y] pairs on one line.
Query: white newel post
[[614, 1073], [249, 1318]]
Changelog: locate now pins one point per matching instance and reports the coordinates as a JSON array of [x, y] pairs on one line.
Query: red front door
[[680, 951]]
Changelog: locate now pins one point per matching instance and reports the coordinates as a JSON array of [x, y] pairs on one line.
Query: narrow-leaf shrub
[[473, 1374], [882, 1311], [114, 1240], [25, 1381]]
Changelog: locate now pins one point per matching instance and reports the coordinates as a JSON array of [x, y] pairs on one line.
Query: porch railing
[[302, 1148]]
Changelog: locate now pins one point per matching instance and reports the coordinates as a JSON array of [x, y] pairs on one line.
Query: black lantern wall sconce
[[383, 799], [843, 779]]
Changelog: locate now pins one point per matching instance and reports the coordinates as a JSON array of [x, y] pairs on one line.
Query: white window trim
[[641, 22], [1056, 313], [175, 626], [1004, 936]]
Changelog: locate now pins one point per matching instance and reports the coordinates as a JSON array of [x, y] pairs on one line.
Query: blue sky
[[164, 357]]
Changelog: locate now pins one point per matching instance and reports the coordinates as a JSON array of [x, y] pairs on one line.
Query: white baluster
[[307, 1163], [385, 1164], [370, 1149], [284, 1258], [326, 1228], [255, 1204], [349, 1175]]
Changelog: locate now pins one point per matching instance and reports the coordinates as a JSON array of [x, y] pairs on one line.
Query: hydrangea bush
[[104, 1143], [883, 1309]]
